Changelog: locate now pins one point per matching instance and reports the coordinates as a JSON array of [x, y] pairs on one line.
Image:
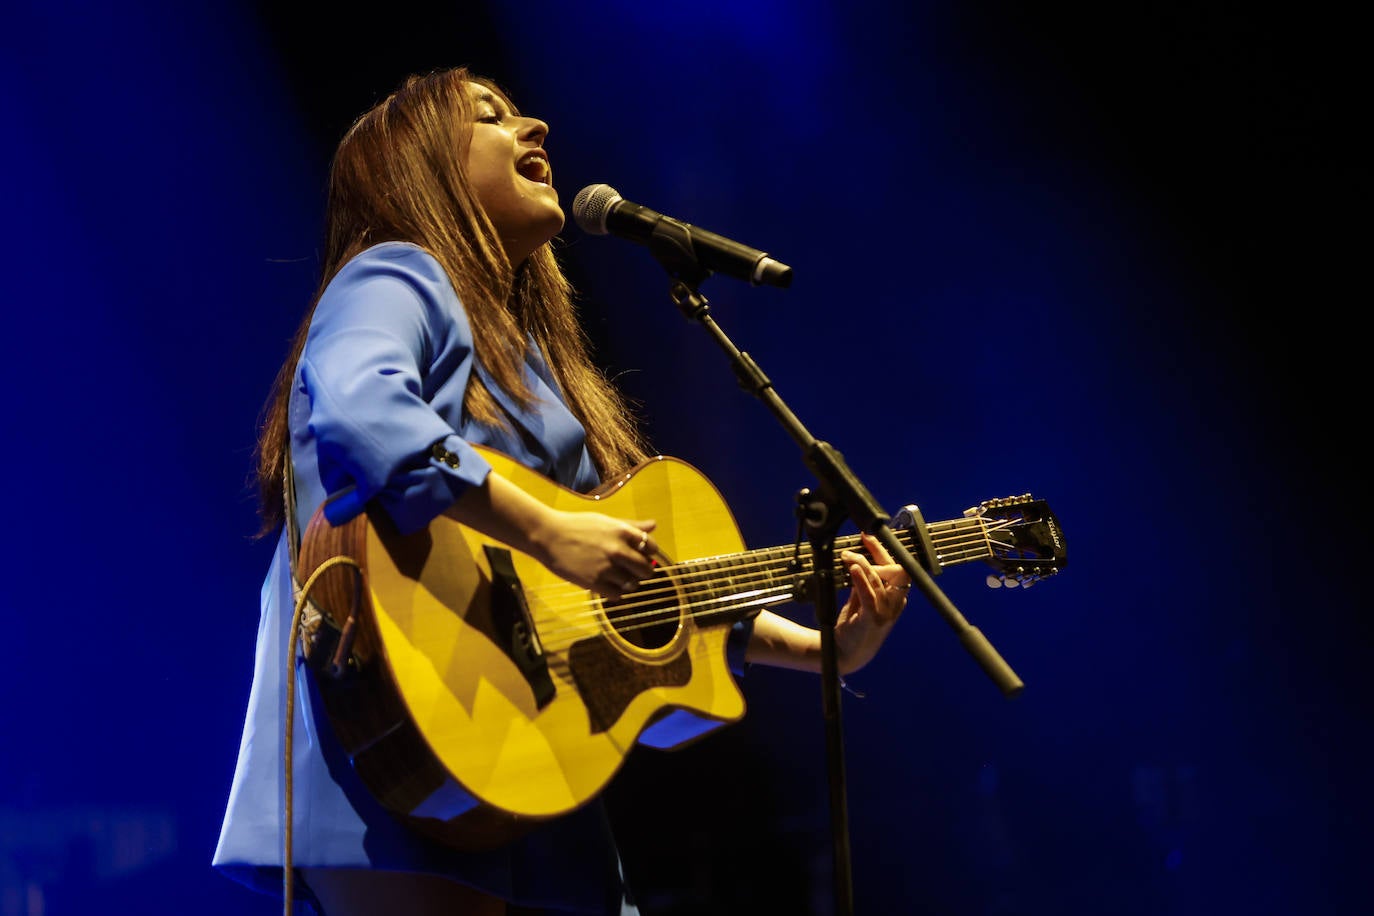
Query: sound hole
[[649, 616]]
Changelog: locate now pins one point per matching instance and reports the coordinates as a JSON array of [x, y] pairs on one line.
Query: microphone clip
[[670, 242]]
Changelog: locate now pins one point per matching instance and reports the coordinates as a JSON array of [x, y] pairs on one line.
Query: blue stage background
[[1103, 254]]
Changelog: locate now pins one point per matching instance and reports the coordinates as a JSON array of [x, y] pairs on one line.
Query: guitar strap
[[311, 617], [293, 534]]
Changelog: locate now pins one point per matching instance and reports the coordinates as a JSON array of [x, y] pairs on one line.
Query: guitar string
[[689, 575], [739, 566], [740, 597], [684, 576], [690, 609], [762, 560], [956, 548]]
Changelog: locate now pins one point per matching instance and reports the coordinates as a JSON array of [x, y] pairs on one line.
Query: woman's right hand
[[608, 555], [591, 550]]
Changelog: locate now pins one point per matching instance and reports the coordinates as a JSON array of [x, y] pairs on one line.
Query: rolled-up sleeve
[[388, 341], [737, 643]]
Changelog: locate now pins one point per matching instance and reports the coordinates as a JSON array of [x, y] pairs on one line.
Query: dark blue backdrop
[[1103, 256]]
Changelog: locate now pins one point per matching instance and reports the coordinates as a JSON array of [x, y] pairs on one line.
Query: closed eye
[[490, 110]]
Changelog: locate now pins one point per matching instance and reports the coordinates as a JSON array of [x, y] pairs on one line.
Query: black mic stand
[[841, 495]]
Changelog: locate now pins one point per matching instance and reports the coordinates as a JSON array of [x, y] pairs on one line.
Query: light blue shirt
[[381, 380]]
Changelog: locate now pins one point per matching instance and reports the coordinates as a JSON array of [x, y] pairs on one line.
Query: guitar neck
[[727, 588]]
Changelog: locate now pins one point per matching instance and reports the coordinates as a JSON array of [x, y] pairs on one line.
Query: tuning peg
[[1003, 502], [994, 581]]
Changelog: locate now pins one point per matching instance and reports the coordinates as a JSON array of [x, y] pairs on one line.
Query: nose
[[534, 130]]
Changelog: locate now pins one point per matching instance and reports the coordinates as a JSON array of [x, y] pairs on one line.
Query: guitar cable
[[293, 547], [293, 644]]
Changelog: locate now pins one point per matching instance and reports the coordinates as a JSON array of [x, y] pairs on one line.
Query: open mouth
[[534, 167]]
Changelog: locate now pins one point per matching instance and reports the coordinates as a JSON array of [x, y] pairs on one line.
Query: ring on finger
[[643, 541]]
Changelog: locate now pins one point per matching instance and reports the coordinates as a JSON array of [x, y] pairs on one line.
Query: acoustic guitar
[[477, 694]]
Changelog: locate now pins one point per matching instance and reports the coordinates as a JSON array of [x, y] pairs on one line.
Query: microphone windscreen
[[592, 205]]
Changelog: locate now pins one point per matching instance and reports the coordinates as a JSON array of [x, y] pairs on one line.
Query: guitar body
[[478, 694]]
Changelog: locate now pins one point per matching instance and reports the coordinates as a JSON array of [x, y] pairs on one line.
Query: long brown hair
[[399, 174]]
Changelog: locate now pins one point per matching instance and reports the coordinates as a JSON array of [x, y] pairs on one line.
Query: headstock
[[1024, 541]]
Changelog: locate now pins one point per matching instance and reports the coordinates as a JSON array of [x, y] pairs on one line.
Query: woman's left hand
[[877, 596]]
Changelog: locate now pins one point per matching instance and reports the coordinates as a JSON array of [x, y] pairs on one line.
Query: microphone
[[600, 210]]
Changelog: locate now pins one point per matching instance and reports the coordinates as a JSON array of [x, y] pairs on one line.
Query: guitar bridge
[[514, 626]]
